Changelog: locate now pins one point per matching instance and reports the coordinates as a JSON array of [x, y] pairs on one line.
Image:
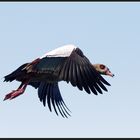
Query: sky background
[[107, 32]]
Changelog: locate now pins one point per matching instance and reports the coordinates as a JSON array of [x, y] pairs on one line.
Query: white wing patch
[[63, 51]]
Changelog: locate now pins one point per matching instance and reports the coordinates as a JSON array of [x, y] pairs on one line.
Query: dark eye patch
[[102, 66]]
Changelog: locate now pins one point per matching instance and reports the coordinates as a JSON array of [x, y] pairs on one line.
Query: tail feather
[[12, 76]]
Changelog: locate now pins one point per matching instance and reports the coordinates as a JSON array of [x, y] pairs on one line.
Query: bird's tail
[[12, 76]]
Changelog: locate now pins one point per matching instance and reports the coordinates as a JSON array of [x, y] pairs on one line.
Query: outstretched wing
[[78, 70], [50, 92]]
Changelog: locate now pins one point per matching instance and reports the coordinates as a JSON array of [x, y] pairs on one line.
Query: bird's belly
[[48, 77]]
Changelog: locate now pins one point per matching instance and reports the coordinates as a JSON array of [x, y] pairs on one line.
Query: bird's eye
[[102, 66]]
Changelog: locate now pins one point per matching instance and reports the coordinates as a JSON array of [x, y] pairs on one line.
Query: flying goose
[[66, 63]]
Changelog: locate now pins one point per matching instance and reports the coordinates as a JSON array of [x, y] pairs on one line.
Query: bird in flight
[[66, 63]]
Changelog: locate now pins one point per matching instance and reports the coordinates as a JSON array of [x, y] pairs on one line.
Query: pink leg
[[17, 92]]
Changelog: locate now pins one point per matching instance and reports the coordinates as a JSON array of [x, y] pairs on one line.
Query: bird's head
[[102, 69]]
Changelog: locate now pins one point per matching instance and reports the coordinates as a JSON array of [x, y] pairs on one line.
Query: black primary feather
[[51, 93]]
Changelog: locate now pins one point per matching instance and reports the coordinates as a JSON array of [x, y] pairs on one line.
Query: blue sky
[[107, 32]]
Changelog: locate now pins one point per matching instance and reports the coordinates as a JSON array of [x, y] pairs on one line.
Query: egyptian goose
[[66, 63]]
